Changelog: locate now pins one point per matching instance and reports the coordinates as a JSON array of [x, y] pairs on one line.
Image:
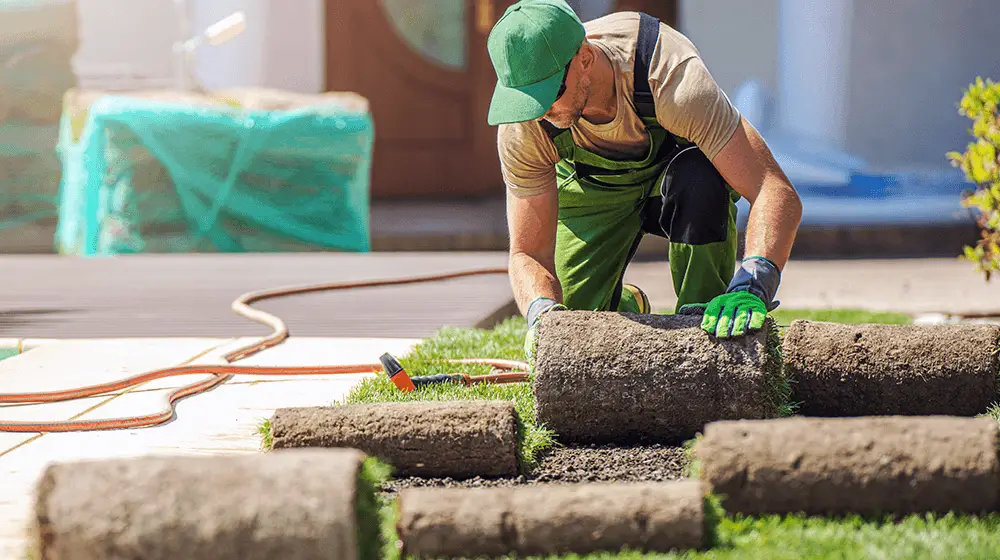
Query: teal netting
[[148, 175], [38, 39]]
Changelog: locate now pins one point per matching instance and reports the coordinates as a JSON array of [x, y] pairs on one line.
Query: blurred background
[[145, 126]]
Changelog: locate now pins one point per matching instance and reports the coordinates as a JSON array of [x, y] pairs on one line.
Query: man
[[615, 128]]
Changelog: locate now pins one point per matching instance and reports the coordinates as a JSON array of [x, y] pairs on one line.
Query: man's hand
[[744, 306], [539, 307], [734, 314]]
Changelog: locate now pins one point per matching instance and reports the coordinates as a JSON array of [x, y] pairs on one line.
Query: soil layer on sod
[[560, 465], [842, 466], [869, 370], [627, 378], [556, 519], [458, 439], [298, 504]]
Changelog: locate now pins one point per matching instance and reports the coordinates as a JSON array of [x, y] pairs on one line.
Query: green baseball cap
[[530, 47]]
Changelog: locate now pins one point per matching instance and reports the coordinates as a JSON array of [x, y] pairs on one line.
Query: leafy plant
[[981, 165]]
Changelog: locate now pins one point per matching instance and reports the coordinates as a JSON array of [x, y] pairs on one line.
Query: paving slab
[[223, 420], [915, 286], [189, 295]]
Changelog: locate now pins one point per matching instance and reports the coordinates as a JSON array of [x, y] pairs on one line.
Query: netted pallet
[[242, 170]]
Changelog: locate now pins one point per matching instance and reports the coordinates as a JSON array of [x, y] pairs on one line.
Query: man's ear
[[587, 56]]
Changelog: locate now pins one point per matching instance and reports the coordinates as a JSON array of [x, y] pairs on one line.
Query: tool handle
[[436, 379]]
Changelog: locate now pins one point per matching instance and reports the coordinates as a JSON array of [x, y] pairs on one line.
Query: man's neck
[[602, 107]]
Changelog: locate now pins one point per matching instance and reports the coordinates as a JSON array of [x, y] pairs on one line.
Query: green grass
[[850, 538], [993, 412], [503, 342], [778, 382], [784, 317], [264, 431], [369, 508]]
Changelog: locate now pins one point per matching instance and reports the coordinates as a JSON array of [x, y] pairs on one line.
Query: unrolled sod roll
[[866, 370], [866, 465], [552, 519], [621, 378], [458, 439], [294, 504]]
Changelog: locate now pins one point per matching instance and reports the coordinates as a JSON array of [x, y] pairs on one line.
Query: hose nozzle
[[396, 373]]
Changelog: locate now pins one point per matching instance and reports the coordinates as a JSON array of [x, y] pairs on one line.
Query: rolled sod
[[869, 370], [866, 466], [458, 439], [605, 377], [552, 519], [299, 504]]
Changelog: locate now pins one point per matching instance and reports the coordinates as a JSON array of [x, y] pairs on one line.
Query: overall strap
[[645, 105], [649, 34], [561, 137]]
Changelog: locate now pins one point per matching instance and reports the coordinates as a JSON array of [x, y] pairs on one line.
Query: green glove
[[538, 307], [734, 314], [744, 306]]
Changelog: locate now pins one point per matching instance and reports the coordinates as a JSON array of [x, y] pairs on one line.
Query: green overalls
[[606, 206]]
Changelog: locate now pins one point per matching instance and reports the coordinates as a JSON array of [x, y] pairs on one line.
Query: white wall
[[128, 44], [910, 63], [125, 43], [295, 56], [888, 94], [737, 38]]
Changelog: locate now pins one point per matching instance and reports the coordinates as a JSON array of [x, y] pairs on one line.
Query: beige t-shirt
[[689, 103]]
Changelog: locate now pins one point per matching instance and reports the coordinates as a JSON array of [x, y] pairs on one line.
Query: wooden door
[[424, 68]]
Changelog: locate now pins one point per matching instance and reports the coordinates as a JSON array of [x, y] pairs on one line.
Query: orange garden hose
[[515, 371]]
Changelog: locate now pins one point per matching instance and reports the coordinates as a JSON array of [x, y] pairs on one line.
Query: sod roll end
[[295, 504], [552, 519], [604, 377], [458, 439], [893, 465], [869, 370]]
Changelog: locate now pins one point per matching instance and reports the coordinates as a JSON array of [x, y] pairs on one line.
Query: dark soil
[[595, 463]]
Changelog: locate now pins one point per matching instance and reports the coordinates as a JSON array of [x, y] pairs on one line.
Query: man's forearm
[[773, 222], [531, 279], [775, 207]]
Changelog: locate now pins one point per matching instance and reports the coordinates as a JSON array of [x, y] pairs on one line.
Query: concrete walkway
[[224, 420], [189, 295]]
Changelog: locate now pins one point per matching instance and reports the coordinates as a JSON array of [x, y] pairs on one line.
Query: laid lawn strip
[[801, 538]]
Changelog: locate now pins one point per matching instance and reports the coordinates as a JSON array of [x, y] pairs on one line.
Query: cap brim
[[526, 103]]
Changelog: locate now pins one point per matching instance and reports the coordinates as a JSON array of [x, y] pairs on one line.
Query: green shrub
[[981, 165]]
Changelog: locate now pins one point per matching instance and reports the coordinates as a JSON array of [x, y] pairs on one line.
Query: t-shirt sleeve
[[691, 104], [527, 159]]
